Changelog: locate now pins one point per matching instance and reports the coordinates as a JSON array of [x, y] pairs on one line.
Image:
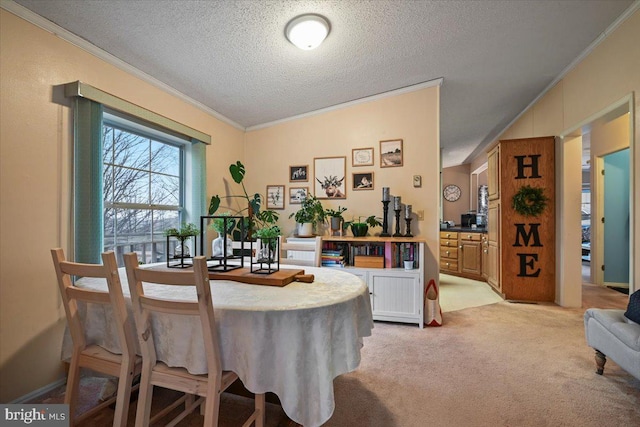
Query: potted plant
[[181, 251], [335, 217], [268, 243], [309, 214], [360, 228], [255, 218]]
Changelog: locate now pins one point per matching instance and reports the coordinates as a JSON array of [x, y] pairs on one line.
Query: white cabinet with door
[[396, 294]]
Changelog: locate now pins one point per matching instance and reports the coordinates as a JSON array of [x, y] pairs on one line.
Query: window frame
[[131, 126]]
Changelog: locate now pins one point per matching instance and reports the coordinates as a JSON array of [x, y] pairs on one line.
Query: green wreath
[[530, 201]]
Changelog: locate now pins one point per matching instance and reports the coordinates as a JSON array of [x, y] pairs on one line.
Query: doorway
[[620, 116]]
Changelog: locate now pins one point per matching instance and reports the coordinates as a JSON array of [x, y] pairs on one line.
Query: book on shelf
[[344, 253]]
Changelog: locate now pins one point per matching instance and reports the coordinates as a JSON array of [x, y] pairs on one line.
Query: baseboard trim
[[40, 392]]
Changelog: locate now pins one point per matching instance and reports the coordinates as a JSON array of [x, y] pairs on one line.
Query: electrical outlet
[[420, 214]]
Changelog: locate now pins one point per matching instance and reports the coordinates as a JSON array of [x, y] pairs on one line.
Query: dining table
[[290, 340]]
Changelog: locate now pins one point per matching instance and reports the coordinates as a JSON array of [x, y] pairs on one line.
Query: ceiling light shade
[[307, 31]]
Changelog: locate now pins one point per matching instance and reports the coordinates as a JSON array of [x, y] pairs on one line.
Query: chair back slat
[[165, 277], [315, 249], [88, 295], [173, 307], [83, 270]]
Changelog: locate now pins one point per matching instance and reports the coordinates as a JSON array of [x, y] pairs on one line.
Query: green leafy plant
[[218, 224], [335, 213], [311, 210], [268, 232], [360, 228], [185, 231], [255, 218]]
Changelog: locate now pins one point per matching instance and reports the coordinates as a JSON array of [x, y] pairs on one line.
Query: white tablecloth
[[292, 341]]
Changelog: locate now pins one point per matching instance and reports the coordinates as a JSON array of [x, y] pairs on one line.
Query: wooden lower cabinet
[[471, 258], [461, 253]]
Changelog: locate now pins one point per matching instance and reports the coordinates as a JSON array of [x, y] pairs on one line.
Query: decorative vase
[[217, 246], [359, 229], [305, 229]]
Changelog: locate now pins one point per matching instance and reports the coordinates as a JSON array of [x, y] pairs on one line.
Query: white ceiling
[[495, 57]]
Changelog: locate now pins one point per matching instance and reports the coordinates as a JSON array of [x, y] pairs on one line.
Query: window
[[143, 188]]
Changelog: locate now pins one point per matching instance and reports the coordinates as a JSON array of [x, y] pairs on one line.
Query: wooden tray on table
[[278, 278]]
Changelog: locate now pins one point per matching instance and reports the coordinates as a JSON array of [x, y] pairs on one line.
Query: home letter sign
[[528, 255]]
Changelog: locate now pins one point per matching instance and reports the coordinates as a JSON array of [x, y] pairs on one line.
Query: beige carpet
[[500, 364], [497, 365]]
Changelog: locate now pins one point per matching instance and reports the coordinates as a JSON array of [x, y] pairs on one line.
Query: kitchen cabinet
[[461, 252]]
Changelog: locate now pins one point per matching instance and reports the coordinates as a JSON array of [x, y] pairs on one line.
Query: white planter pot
[[305, 229]]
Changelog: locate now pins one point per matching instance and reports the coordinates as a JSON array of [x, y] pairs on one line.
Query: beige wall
[[460, 176], [606, 76], [35, 153], [412, 117]]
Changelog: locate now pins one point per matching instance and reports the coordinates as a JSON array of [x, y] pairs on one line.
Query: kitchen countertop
[[465, 229]]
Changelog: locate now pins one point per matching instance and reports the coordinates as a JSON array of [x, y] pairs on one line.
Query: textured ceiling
[[495, 56]]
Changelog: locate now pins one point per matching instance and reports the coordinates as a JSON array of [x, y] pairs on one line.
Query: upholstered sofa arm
[[612, 335]]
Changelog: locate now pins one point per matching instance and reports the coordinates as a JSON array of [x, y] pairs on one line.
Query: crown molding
[[388, 94]]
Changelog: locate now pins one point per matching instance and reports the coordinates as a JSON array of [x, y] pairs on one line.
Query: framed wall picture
[[297, 195], [363, 181], [330, 174], [275, 196], [391, 153], [299, 173], [362, 157]]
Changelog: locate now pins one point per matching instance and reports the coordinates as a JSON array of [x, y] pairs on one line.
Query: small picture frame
[[391, 153], [275, 196], [330, 177], [297, 195], [417, 181], [362, 157], [362, 181], [299, 173]]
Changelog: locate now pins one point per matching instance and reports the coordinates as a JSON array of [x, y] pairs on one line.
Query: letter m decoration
[[525, 237]]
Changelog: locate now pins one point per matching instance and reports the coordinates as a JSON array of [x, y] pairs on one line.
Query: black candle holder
[[397, 233], [385, 219], [408, 233]]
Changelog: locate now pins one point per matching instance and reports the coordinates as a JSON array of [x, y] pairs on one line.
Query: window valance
[[84, 90]]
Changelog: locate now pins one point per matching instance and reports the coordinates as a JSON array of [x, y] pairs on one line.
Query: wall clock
[[451, 193]]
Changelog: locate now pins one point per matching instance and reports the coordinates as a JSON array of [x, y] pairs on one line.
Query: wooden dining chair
[[207, 387], [302, 253], [124, 366]]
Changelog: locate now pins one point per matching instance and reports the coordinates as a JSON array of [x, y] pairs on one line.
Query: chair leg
[[124, 394], [212, 408], [601, 359], [145, 393], [260, 409], [73, 384]]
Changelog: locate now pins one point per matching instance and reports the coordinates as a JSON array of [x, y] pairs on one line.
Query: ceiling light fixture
[[307, 31]]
